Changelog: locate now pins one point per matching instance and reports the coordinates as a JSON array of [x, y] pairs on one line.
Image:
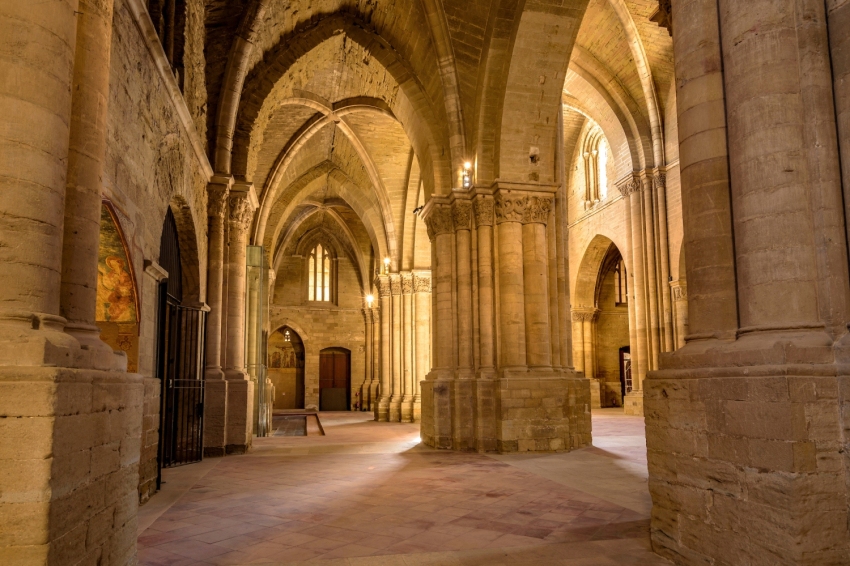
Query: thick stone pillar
[[240, 389], [215, 385], [55, 395], [422, 335], [396, 349], [382, 412], [746, 424], [407, 348], [519, 400], [375, 390], [368, 384]]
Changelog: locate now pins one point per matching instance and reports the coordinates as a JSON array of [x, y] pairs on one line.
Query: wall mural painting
[[116, 311], [281, 352]]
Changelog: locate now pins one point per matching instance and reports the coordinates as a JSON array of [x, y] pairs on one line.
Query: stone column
[[510, 210], [407, 348], [422, 335], [366, 390], [215, 385], [659, 183], [462, 217], [760, 378], [240, 389], [382, 413], [585, 350], [375, 390], [484, 215], [536, 282], [651, 271], [631, 190], [83, 194], [396, 349]]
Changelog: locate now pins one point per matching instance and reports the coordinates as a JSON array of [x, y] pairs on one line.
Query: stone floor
[[367, 494]]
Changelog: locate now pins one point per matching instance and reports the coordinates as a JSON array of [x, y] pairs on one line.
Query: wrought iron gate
[[182, 372]]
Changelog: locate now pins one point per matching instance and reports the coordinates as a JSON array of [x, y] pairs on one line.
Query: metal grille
[[182, 373], [627, 366]]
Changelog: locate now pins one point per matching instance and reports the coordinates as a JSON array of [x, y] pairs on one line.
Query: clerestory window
[[595, 157], [319, 275], [621, 284]]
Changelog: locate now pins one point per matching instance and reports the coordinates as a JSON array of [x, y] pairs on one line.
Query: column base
[[70, 485], [530, 411], [395, 411], [382, 410], [407, 410], [595, 394], [747, 453], [215, 417], [240, 413], [633, 404]]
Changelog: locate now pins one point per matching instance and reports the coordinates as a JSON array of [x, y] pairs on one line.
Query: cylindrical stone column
[[510, 210], [382, 413], [86, 156], [651, 273], [535, 264], [462, 218], [397, 349], [554, 296], [483, 208], [659, 181], [408, 347], [366, 390], [37, 62], [422, 331], [375, 390], [241, 212], [440, 227], [786, 182], [642, 329], [704, 162], [218, 194]]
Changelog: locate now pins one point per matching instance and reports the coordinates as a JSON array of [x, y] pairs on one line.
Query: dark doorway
[[180, 356], [625, 371], [334, 379]]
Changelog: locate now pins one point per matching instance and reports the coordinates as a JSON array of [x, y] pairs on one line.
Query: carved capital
[[407, 283], [483, 207], [395, 283], [241, 211], [585, 315], [421, 283], [217, 196], [383, 284], [510, 208], [659, 180], [537, 210], [439, 221], [629, 186], [462, 215]]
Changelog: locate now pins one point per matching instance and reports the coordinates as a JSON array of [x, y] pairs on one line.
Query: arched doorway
[[334, 379], [601, 341], [180, 355], [286, 368]]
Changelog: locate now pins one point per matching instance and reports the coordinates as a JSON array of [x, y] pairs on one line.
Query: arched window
[[595, 157], [319, 275], [621, 284]]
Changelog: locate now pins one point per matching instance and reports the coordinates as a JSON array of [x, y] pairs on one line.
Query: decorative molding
[[537, 210], [659, 180], [484, 210], [241, 212], [217, 197], [421, 283], [462, 215], [680, 291], [439, 221], [629, 185], [407, 283]]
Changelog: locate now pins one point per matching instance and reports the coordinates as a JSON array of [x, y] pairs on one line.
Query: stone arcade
[[490, 228]]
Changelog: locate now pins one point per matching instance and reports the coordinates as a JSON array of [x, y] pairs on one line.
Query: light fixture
[[369, 300], [386, 265], [467, 175], [287, 337]]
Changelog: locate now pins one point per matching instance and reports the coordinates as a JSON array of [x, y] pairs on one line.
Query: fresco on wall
[[282, 354], [116, 292], [116, 310]]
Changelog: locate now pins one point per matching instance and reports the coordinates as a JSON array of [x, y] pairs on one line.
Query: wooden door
[[334, 380]]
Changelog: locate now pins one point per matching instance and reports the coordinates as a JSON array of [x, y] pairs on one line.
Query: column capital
[[218, 192], [422, 282], [407, 283], [438, 218], [382, 282], [520, 207], [462, 215], [629, 184], [484, 208], [585, 314], [243, 203], [395, 283]]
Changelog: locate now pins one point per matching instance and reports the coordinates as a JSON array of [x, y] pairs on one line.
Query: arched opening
[[601, 343], [335, 379], [286, 368]]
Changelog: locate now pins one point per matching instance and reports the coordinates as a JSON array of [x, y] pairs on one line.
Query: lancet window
[[595, 159], [319, 275]]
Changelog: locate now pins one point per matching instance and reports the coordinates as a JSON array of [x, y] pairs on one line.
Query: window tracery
[[594, 155], [319, 275]]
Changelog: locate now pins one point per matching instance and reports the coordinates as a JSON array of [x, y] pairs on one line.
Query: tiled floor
[[368, 494]]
